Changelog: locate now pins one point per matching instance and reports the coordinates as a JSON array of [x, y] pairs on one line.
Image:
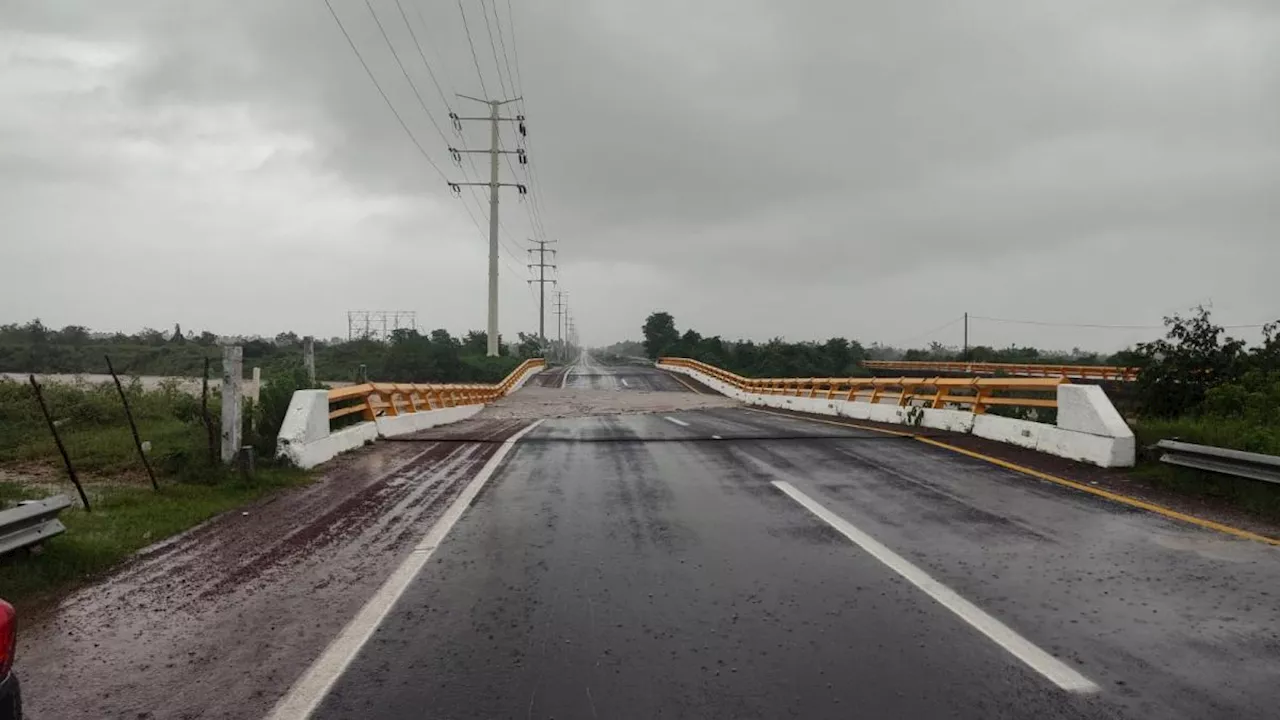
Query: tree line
[[834, 357], [1195, 370], [407, 356]]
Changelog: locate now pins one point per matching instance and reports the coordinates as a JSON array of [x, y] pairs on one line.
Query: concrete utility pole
[[561, 312], [542, 281], [309, 358], [232, 402], [495, 149]]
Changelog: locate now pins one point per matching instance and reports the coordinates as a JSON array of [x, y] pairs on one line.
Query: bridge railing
[[309, 434], [1083, 423], [1077, 372], [974, 394], [373, 400]]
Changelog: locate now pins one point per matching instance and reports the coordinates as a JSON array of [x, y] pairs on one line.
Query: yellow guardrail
[[375, 399], [1077, 372], [975, 394]]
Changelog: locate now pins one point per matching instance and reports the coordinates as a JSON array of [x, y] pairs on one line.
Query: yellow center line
[[1114, 497]]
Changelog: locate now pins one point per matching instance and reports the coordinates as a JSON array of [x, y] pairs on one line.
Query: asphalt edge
[[1107, 494]]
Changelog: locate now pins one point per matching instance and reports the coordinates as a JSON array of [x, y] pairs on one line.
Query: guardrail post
[[232, 402]]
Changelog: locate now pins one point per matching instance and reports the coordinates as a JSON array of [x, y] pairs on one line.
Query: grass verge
[[124, 520], [1260, 498]]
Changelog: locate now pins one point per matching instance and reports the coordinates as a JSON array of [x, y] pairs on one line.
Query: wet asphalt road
[[587, 374], [633, 566]]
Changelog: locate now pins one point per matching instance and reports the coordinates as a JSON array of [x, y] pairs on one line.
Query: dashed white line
[[1056, 671], [716, 437], [681, 423], [310, 690], [624, 382]]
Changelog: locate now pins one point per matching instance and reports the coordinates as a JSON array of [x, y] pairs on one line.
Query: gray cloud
[[757, 168]]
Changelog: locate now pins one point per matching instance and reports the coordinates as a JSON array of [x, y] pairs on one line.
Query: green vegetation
[[126, 513], [407, 357], [124, 520], [837, 357]]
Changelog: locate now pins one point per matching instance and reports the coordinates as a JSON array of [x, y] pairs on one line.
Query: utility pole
[[542, 281], [562, 312], [495, 149], [966, 337]]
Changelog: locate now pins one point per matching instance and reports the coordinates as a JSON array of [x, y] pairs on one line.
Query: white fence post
[[232, 402]]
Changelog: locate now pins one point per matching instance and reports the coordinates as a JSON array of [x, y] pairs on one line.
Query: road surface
[[727, 563], [612, 549], [588, 374]]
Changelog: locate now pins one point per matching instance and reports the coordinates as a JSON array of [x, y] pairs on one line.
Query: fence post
[[208, 420], [232, 402], [57, 439], [309, 358]]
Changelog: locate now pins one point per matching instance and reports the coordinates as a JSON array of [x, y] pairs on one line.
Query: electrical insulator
[[457, 122], [524, 158], [456, 189], [457, 156], [523, 130]]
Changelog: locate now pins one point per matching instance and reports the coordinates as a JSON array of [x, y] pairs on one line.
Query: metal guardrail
[[31, 523], [974, 394], [1076, 372], [1254, 466], [372, 400]]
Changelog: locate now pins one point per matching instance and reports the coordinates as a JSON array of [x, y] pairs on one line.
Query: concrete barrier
[[306, 440], [1089, 428]]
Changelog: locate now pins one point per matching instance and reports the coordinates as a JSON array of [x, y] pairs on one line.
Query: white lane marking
[[624, 382], [716, 437], [681, 423], [308, 692], [564, 379], [1056, 671]]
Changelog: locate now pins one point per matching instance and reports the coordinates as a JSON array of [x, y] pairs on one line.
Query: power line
[[421, 53], [475, 59], [422, 102], [508, 89], [929, 333], [1098, 326], [470, 42], [1058, 324], [497, 67], [403, 125], [511, 79], [404, 70], [515, 50], [537, 208], [383, 93]]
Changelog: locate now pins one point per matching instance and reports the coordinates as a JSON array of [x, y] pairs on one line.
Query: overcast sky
[[755, 167]]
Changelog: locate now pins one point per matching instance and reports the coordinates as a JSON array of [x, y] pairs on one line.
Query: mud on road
[[219, 622]]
